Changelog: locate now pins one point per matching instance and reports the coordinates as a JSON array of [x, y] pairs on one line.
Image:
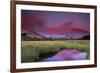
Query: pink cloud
[[64, 28]]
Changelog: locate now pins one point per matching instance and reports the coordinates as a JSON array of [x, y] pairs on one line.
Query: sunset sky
[[55, 24]]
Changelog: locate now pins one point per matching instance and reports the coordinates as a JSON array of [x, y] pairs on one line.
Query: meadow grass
[[31, 50]]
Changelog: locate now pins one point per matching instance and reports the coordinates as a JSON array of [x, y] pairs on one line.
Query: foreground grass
[[32, 50]]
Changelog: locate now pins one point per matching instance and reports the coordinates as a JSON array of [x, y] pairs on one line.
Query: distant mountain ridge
[[35, 36]]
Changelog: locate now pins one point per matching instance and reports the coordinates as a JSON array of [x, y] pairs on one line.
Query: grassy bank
[[32, 51]]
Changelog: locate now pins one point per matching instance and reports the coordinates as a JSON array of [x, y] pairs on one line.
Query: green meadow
[[34, 51]]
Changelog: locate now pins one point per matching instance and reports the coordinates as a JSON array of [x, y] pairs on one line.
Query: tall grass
[[31, 50]]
